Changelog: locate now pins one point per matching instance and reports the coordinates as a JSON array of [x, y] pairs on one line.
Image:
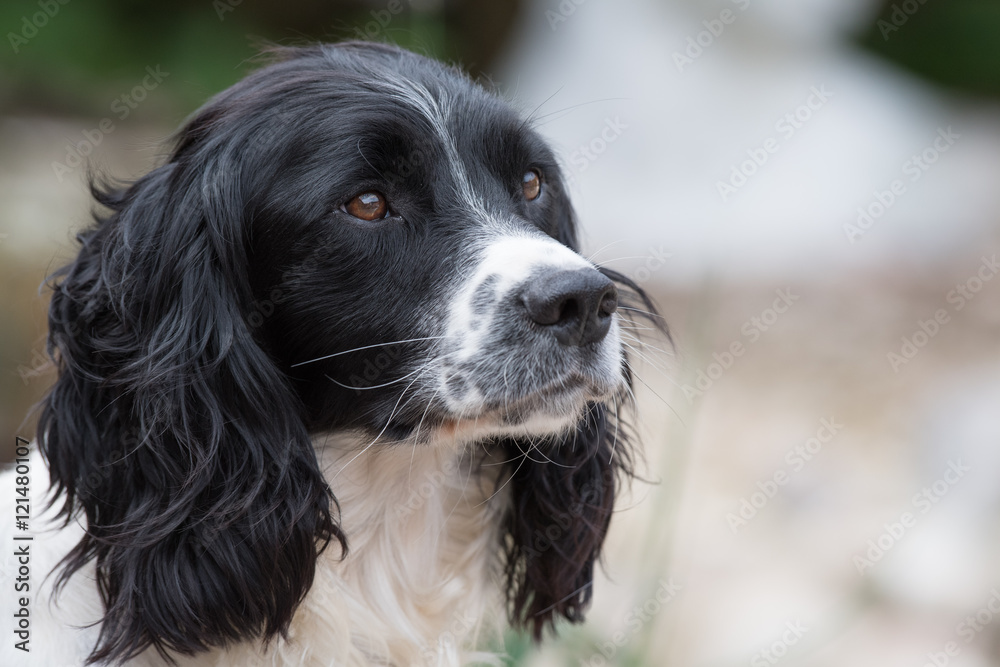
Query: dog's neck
[[422, 524]]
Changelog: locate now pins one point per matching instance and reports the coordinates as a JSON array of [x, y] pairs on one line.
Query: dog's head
[[352, 239]]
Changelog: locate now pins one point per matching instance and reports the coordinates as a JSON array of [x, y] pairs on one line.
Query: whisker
[[620, 259], [614, 443], [508, 481], [388, 421], [378, 386], [577, 106], [531, 116], [649, 360], [547, 459], [363, 157], [639, 378], [659, 370], [500, 463], [416, 434], [365, 347], [591, 256], [576, 592], [627, 339], [631, 393], [644, 312], [532, 445]]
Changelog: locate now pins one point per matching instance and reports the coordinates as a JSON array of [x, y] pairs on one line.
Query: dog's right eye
[[367, 206]]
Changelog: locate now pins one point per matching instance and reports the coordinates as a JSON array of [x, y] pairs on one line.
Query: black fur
[[180, 423], [563, 497]]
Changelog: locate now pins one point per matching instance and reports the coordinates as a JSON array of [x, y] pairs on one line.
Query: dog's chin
[[549, 411]]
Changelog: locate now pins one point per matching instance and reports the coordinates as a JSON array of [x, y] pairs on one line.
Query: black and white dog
[[334, 386]]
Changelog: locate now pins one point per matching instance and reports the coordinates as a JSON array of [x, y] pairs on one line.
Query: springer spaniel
[[334, 386]]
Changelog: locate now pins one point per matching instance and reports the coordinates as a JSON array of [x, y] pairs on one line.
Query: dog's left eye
[[367, 206], [531, 184]]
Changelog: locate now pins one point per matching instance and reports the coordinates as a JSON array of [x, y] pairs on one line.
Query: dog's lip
[[575, 389], [563, 405], [449, 427], [577, 381]]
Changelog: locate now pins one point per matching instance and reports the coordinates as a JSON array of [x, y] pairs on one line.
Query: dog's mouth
[[547, 409], [544, 409]]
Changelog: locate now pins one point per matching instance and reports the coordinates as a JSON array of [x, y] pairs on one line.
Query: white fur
[[511, 258], [417, 587], [436, 113]]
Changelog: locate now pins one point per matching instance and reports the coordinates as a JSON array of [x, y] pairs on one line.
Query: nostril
[[570, 310], [542, 308], [609, 303]]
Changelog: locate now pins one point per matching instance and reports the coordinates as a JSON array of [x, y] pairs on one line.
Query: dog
[[334, 385]]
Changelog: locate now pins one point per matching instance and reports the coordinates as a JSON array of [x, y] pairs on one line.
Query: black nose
[[576, 306]]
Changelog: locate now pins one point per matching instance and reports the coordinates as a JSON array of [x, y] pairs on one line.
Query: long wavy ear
[[563, 496], [173, 432], [563, 492]]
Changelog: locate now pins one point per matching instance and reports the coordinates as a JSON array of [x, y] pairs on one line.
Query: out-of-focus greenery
[[91, 51], [955, 43]]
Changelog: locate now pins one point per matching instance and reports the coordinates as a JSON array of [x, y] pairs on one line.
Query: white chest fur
[[416, 588]]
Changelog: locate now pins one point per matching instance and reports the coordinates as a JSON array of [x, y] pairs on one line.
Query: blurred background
[[810, 189]]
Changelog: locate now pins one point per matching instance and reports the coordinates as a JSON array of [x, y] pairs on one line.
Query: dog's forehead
[[455, 111], [467, 127]]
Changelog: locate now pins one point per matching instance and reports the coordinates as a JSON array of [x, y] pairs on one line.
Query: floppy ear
[[563, 494], [173, 432], [563, 491]]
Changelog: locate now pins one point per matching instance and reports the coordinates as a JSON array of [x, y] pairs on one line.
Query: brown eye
[[367, 206], [531, 185]]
